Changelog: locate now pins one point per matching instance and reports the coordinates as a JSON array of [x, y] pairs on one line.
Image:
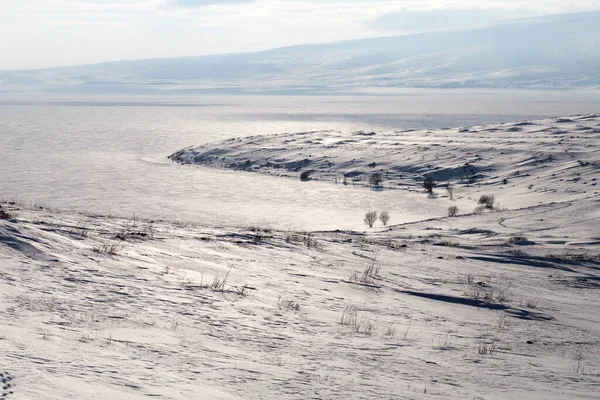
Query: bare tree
[[384, 217], [452, 211], [370, 218], [375, 179], [429, 184], [450, 190]]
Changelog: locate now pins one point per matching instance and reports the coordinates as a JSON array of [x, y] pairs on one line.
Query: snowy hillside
[[493, 304], [554, 158], [559, 51]]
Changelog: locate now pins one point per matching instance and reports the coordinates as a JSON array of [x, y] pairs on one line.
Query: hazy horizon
[[551, 52], [82, 32]]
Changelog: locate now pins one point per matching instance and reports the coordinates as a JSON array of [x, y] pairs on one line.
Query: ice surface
[[108, 156]]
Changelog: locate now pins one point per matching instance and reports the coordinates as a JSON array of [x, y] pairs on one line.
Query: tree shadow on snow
[[456, 300], [515, 312], [530, 261]]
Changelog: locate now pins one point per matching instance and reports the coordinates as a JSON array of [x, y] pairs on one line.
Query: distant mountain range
[[561, 51]]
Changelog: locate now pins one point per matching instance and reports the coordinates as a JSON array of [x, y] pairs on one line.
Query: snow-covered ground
[[491, 305], [524, 163]]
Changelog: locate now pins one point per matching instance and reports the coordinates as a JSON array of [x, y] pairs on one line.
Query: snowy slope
[[496, 305], [559, 51], [556, 158], [454, 312]]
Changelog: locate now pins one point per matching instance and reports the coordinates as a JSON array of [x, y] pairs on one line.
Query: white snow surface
[[556, 158], [496, 305]]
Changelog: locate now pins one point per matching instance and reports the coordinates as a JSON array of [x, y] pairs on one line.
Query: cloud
[[63, 32], [413, 21], [202, 3]]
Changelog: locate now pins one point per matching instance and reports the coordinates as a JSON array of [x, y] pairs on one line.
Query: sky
[[45, 33]]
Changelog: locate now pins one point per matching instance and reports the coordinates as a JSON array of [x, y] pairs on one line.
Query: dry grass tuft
[[287, 304], [108, 248], [370, 276], [358, 324]]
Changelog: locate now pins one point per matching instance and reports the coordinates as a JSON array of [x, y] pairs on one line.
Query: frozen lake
[[108, 155]]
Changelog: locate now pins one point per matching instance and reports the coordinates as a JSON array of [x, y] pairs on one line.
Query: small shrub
[[5, 215], [517, 240], [370, 218], [375, 179], [452, 211], [309, 241], [429, 184], [305, 176], [478, 210], [486, 201], [385, 218]]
